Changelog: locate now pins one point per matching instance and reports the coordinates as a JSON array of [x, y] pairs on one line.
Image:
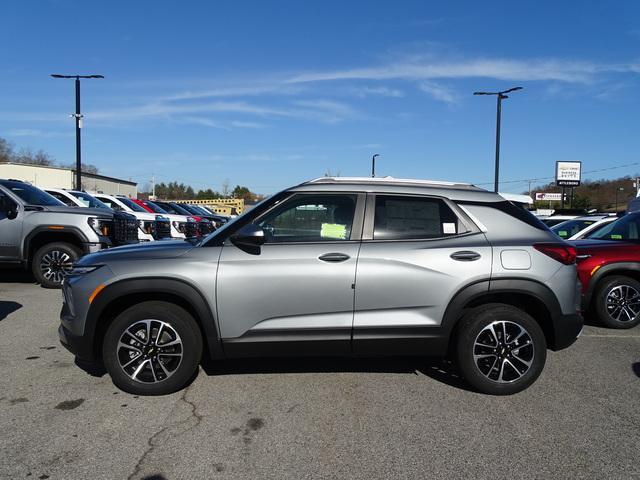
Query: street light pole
[[500, 96], [78, 118], [373, 165]]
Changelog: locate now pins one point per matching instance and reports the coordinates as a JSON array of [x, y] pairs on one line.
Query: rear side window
[[407, 218], [62, 198]]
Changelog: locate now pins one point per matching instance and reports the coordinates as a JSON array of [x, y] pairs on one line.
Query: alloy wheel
[[623, 303], [150, 351], [55, 265], [503, 351]]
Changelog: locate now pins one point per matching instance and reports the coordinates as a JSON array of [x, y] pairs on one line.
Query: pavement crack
[[169, 432]]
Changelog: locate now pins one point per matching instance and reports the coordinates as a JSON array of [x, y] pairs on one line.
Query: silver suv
[[335, 266], [40, 232]]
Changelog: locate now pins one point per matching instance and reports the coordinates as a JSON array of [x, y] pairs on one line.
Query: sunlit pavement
[[318, 418]]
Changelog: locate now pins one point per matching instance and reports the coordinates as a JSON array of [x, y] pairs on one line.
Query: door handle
[[465, 256], [334, 257]]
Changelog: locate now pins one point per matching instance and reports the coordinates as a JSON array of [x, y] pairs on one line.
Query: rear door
[[295, 295], [416, 253]]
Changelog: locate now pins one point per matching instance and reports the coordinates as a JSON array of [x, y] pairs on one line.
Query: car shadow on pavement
[[437, 369], [15, 275], [636, 368], [7, 308]]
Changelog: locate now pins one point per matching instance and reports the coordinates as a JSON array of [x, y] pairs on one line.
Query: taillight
[[558, 251]]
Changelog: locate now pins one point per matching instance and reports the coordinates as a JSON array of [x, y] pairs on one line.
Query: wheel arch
[[119, 296], [629, 269], [43, 235], [530, 296]]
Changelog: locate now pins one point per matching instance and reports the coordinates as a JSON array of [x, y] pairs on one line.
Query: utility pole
[[153, 186], [78, 117], [500, 96], [373, 165]]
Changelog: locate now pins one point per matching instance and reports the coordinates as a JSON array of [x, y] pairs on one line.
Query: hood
[[99, 212], [146, 215], [161, 249]]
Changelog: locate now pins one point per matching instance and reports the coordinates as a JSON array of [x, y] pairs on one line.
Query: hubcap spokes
[[150, 351], [623, 303], [55, 265], [503, 351]]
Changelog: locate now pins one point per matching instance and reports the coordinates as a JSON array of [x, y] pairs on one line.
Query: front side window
[[32, 195], [88, 201], [624, 229], [311, 218], [110, 203], [62, 198], [407, 218]]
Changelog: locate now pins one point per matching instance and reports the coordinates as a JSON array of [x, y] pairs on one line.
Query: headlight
[[82, 269], [147, 226], [180, 226], [100, 226]]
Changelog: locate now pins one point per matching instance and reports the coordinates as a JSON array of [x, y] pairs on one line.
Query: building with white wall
[[59, 177]]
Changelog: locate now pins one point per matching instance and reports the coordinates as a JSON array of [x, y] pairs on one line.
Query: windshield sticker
[[616, 237]]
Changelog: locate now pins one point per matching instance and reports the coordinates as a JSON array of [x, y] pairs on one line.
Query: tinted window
[[88, 201], [155, 208], [32, 195], [62, 198], [626, 228], [131, 204], [571, 227], [311, 218], [402, 218], [177, 209], [110, 203]]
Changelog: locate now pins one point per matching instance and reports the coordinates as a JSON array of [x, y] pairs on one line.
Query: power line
[[525, 180]]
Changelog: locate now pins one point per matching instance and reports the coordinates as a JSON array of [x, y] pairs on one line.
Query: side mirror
[[8, 207], [250, 236]]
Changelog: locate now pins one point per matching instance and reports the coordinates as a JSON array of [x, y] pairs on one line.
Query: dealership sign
[[568, 174], [554, 197]]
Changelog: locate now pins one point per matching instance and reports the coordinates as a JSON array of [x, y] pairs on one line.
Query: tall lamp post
[[500, 96], [618, 189], [78, 117], [373, 165]]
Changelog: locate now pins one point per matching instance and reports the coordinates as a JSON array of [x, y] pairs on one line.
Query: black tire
[[624, 295], [515, 374], [52, 261], [177, 323]]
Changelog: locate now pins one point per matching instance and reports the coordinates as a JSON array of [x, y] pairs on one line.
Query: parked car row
[[48, 230]]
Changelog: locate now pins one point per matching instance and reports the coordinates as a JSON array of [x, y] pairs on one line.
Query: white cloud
[[363, 92], [439, 92], [418, 68], [243, 124], [30, 132]]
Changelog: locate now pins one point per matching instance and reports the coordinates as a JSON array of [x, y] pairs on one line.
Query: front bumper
[[566, 329], [80, 346]]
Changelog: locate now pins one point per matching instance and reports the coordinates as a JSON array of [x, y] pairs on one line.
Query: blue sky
[[268, 94]]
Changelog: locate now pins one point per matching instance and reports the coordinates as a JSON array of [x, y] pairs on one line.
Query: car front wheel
[[52, 262], [500, 349], [152, 348], [617, 302]]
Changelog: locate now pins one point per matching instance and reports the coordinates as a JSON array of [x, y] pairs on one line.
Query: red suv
[[609, 270]]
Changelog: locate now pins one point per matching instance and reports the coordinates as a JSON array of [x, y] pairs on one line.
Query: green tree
[[242, 192]]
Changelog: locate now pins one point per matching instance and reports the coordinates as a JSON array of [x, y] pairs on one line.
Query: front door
[[294, 296], [10, 230]]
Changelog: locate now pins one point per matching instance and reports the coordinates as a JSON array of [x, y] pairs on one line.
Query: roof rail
[[387, 180]]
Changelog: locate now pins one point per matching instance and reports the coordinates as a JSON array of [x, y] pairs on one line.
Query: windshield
[[155, 208], [571, 227], [131, 204], [200, 210], [180, 209], [625, 228], [32, 195], [89, 201]]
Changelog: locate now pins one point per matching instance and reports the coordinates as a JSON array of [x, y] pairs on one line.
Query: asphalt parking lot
[[315, 418]]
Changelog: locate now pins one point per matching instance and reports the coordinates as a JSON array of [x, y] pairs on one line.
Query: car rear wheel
[[52, 262], [617, 302], [500, 349], [153, 348]]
